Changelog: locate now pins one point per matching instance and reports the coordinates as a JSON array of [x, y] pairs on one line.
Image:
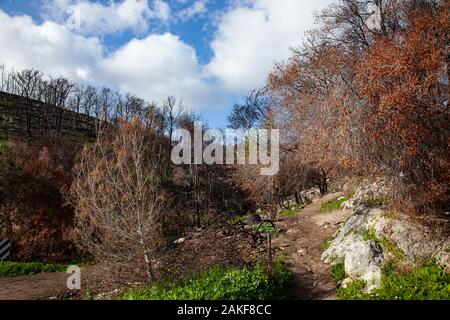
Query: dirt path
[[302, 239], [39, 286]]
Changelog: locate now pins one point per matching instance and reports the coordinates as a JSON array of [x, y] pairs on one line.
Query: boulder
[[391, 237], [363, 260]]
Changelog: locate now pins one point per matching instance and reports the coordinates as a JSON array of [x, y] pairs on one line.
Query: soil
[[302, 240], [36, 287]]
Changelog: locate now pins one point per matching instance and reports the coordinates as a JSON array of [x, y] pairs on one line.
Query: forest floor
[[302, 239]]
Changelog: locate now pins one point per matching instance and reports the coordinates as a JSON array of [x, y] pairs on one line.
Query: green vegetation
[[4, 149], [238, 219], [337, 272], [389, 246], [333, 205], [264, 227], [392, 248], [293, 210], [428, 282], [223, 284], [390, 214], [370, 235], [326, 244], [375, 202], [267, 227], [14, 269], [353, 291]]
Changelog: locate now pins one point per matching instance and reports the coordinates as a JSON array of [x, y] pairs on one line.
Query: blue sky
[[208, 53]]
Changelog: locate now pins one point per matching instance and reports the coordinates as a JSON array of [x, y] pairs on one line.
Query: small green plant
[[390, 214], [333, 205], [267, 227], [375, 202], [337, 272], [238, 219], [90, 294], [223, 284], [326, 244], [14, 269], [370, 235]]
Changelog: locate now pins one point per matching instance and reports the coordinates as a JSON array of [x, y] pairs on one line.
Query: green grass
[[14, 269], [353, 291], [292, 211], [337, 272], [223, 284], [428, 282], [326, 244], [333, 205]]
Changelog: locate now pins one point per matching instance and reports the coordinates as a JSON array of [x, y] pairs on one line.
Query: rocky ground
[[302, 239], [374, 235]]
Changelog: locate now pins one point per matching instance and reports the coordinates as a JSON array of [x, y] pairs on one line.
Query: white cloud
[[197, 8], [55, 9], [157, 66], [161, 10], [89, 17], [49, 47], [251, 37], [153, 68]]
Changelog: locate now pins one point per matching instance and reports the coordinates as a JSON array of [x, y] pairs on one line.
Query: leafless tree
[[90, 97], [28, 82], [119, 201]]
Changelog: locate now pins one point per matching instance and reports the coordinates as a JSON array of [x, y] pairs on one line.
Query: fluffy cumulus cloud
[[157, 65], [50, 47], [251, 36], [153, 68], [96, 18]]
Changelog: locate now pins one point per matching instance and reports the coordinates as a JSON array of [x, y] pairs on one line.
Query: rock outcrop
[[371, 236]]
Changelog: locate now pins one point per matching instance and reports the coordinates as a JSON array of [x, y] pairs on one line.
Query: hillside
[[44, 119]]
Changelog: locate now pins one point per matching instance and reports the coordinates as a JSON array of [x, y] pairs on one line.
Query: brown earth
[[302, 239], [36, 287]]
